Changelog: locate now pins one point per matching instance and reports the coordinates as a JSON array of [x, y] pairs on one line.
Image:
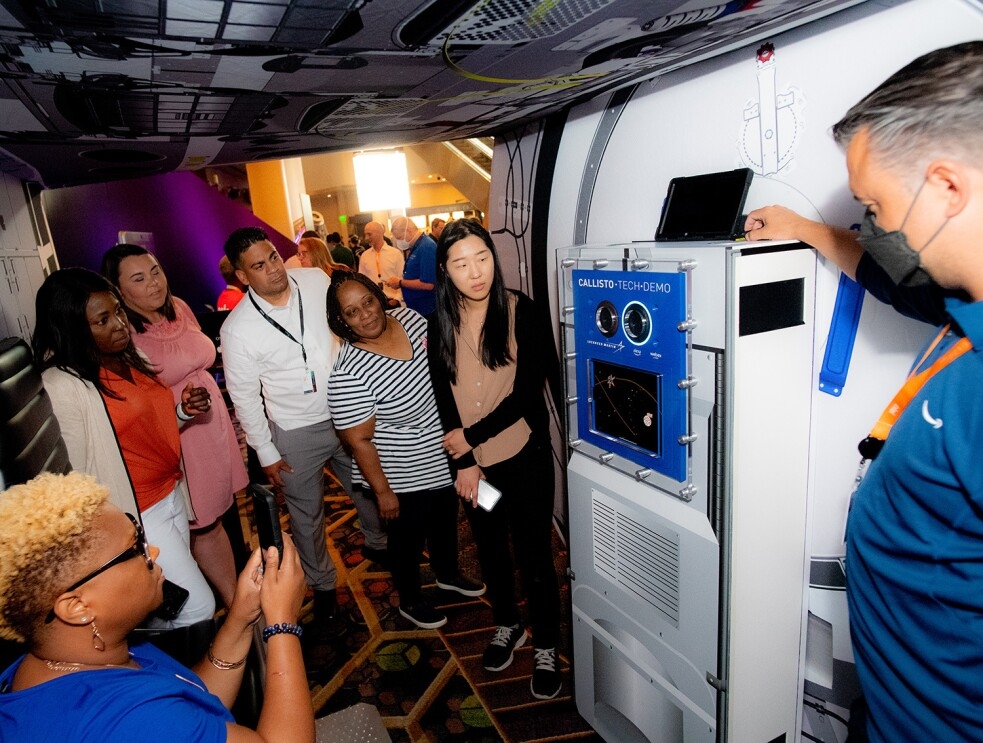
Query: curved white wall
[[704, 118]]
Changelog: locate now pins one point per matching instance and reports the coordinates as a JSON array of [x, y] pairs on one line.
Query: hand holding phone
[[267, 516]]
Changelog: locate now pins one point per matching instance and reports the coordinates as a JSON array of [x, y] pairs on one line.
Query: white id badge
[[310, 384]]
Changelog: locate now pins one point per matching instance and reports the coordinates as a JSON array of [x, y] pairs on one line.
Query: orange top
[[147, 432]]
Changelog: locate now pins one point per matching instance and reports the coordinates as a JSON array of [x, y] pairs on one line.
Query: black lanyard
[[278, 326]]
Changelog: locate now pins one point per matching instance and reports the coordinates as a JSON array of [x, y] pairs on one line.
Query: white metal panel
[[772, 375]]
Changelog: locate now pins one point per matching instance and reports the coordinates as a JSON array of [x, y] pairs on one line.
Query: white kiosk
[[688, 371]]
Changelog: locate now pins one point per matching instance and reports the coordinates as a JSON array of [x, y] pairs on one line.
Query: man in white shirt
[[381, 262], [277, 351]]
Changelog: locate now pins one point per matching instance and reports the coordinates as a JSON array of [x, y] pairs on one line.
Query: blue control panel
[[631, 356]]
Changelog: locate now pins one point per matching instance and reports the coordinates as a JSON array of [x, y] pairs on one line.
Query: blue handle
[[842, 334]]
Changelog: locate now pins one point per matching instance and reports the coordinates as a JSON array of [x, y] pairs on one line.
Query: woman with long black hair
[[488, 359]]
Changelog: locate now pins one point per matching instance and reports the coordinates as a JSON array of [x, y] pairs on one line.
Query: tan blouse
[[479, 390]]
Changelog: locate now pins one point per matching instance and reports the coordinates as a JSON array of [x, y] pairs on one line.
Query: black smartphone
[[174, 599], [267, 517]]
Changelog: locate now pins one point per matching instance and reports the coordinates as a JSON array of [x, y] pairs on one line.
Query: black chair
[[30, 439]]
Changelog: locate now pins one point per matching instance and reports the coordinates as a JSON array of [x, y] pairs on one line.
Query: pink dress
[[182, 353]]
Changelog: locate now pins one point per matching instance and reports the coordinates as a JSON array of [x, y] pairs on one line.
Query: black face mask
[[891, 251]]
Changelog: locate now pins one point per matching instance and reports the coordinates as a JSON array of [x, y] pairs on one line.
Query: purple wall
[[189, 219]]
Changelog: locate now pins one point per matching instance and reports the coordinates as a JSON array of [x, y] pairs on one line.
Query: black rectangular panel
[[771, 306]]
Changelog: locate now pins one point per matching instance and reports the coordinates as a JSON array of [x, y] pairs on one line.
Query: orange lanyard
[[870, 447]]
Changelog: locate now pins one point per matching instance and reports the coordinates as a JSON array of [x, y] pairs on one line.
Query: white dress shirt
[[262, 365], [382, 265]]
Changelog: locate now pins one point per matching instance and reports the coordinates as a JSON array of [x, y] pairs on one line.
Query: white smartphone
[[488, 495]]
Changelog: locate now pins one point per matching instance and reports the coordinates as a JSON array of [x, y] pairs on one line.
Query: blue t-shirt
[[915, 556], [162, 701], [422, 265]]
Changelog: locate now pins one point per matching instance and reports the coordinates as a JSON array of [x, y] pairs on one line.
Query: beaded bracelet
[[280, 629], [224, 665]]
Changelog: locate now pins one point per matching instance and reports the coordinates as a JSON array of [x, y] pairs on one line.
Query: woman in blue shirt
[[76, 577]]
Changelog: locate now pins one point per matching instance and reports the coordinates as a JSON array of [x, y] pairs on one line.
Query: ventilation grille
[[642, 560], [360, 114], [510, 21]]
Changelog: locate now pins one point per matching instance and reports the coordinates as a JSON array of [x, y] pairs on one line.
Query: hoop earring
[[97, 642]]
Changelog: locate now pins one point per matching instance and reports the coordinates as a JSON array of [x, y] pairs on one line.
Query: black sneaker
[[498, 654], [423, 616], [463, 585], [546, 681]]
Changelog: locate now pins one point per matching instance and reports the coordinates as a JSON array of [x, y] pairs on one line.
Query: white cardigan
[[91, 439]]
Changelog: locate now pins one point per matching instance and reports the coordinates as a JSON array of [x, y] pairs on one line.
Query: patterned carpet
[[428, 685]]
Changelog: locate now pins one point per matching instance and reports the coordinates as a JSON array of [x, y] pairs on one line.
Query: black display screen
[[705, 207], [626, 405]]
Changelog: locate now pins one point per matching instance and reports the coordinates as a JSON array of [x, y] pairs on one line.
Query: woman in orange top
[[119, 423]]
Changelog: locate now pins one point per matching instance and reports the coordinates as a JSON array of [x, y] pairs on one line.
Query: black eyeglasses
[[138, 549]]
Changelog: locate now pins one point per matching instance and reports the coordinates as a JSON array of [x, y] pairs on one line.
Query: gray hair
[[930, 108]]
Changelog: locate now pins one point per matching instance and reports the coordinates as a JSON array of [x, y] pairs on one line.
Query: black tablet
[[705, 207]]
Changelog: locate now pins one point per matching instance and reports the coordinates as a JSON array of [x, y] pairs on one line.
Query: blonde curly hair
[[44, 529]]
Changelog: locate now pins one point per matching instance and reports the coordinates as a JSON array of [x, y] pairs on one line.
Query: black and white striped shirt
[[399, 394]]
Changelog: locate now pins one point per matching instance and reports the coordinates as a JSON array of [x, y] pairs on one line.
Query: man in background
[[420, 269], [382, 262], [340, 253], [233, 291], [436, 227]]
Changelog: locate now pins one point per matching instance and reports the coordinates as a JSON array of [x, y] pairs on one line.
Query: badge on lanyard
[[310, 383], [871, 446]]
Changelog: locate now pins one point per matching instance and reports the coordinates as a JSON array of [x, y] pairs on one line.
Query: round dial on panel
[[606, 318], [637, 323]]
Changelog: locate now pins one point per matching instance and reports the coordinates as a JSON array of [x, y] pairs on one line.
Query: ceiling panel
[[170, 84]]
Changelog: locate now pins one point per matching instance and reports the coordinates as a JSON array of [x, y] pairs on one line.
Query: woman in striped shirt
[[383, 406]]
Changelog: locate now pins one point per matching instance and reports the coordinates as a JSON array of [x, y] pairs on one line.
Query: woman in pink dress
[[165, 329]]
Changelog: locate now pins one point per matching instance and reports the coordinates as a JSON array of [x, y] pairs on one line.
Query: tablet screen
[[705, 207]]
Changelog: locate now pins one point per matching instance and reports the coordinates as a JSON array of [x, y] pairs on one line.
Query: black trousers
[[524, 513], [423, 516], [442, 533]]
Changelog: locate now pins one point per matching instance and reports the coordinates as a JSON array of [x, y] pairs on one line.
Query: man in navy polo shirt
[[420, 270], [914, 151]]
